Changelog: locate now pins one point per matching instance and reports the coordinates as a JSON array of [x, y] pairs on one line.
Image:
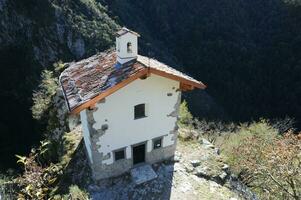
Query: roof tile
[[85, 79]]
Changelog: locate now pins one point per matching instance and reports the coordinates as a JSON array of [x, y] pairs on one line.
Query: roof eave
[[186, 85], [118, 34], [64, 93], [199, 85]]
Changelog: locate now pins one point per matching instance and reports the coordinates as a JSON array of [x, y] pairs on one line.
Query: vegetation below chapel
[[33, 35], [264, 158]]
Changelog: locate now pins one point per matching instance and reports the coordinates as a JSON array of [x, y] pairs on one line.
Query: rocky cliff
[[34, 35]]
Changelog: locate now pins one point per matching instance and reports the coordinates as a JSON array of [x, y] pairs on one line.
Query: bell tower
[[126, 45]]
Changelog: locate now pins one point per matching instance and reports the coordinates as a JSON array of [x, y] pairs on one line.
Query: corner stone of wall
[[98, 168], [161, 154], [175, 113], [102, 171]]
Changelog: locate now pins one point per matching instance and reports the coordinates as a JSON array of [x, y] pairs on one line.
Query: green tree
[[185, 117]]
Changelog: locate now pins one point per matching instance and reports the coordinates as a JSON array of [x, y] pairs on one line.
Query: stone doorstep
[[142, 174]]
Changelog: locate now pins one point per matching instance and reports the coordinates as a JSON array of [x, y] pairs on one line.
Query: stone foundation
[[119, 167], [161, 154], [102, 171]]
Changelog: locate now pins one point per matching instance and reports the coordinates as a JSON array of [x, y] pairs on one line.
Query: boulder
[[195, 163], [177, 157], [223, 176], [202, 172], [188, 167], [205, 142]]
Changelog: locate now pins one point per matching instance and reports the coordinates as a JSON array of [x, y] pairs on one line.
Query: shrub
[[185, 117], [37, 181], [6, 187], [283, 125], [43, 96], [76, 193], [266, 161]]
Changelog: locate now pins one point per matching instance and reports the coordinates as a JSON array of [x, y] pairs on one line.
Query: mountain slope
[[248, 52], [33, 35]]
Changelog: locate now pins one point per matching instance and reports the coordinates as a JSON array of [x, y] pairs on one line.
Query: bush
[[266, 161], [213, 130], [43, 96], [6, 187], [48, 110], [193, 129], [76, 193], [37, 181], [185, 117]]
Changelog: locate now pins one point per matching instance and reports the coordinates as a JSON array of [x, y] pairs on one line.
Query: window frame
[[140, 116], [129, 47], [119, 150], [154, 142]]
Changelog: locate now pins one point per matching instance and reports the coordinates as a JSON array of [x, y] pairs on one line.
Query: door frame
[[145, 150]]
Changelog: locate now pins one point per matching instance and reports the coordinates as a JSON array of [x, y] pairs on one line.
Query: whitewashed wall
[[123, 55], [118, 112]]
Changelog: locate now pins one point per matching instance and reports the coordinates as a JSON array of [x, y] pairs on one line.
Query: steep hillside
[[247, 51], [33, 35]]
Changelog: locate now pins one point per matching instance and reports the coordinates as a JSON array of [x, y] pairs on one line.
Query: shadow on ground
[[124, 188], [119, 188]]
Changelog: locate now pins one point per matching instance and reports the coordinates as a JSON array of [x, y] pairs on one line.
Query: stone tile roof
[[124, 30], [86, 79], [155, 64]]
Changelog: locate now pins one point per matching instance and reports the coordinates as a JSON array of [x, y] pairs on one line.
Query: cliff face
[[33, 35], [55, 30]]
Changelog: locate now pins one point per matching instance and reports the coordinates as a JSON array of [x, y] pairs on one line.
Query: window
[[139, 111], [157, 143], [119, 154], [129, 47]]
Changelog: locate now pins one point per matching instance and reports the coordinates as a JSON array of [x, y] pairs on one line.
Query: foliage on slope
[[247, 51], [33, 35], [265, 159], [44, 167]]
